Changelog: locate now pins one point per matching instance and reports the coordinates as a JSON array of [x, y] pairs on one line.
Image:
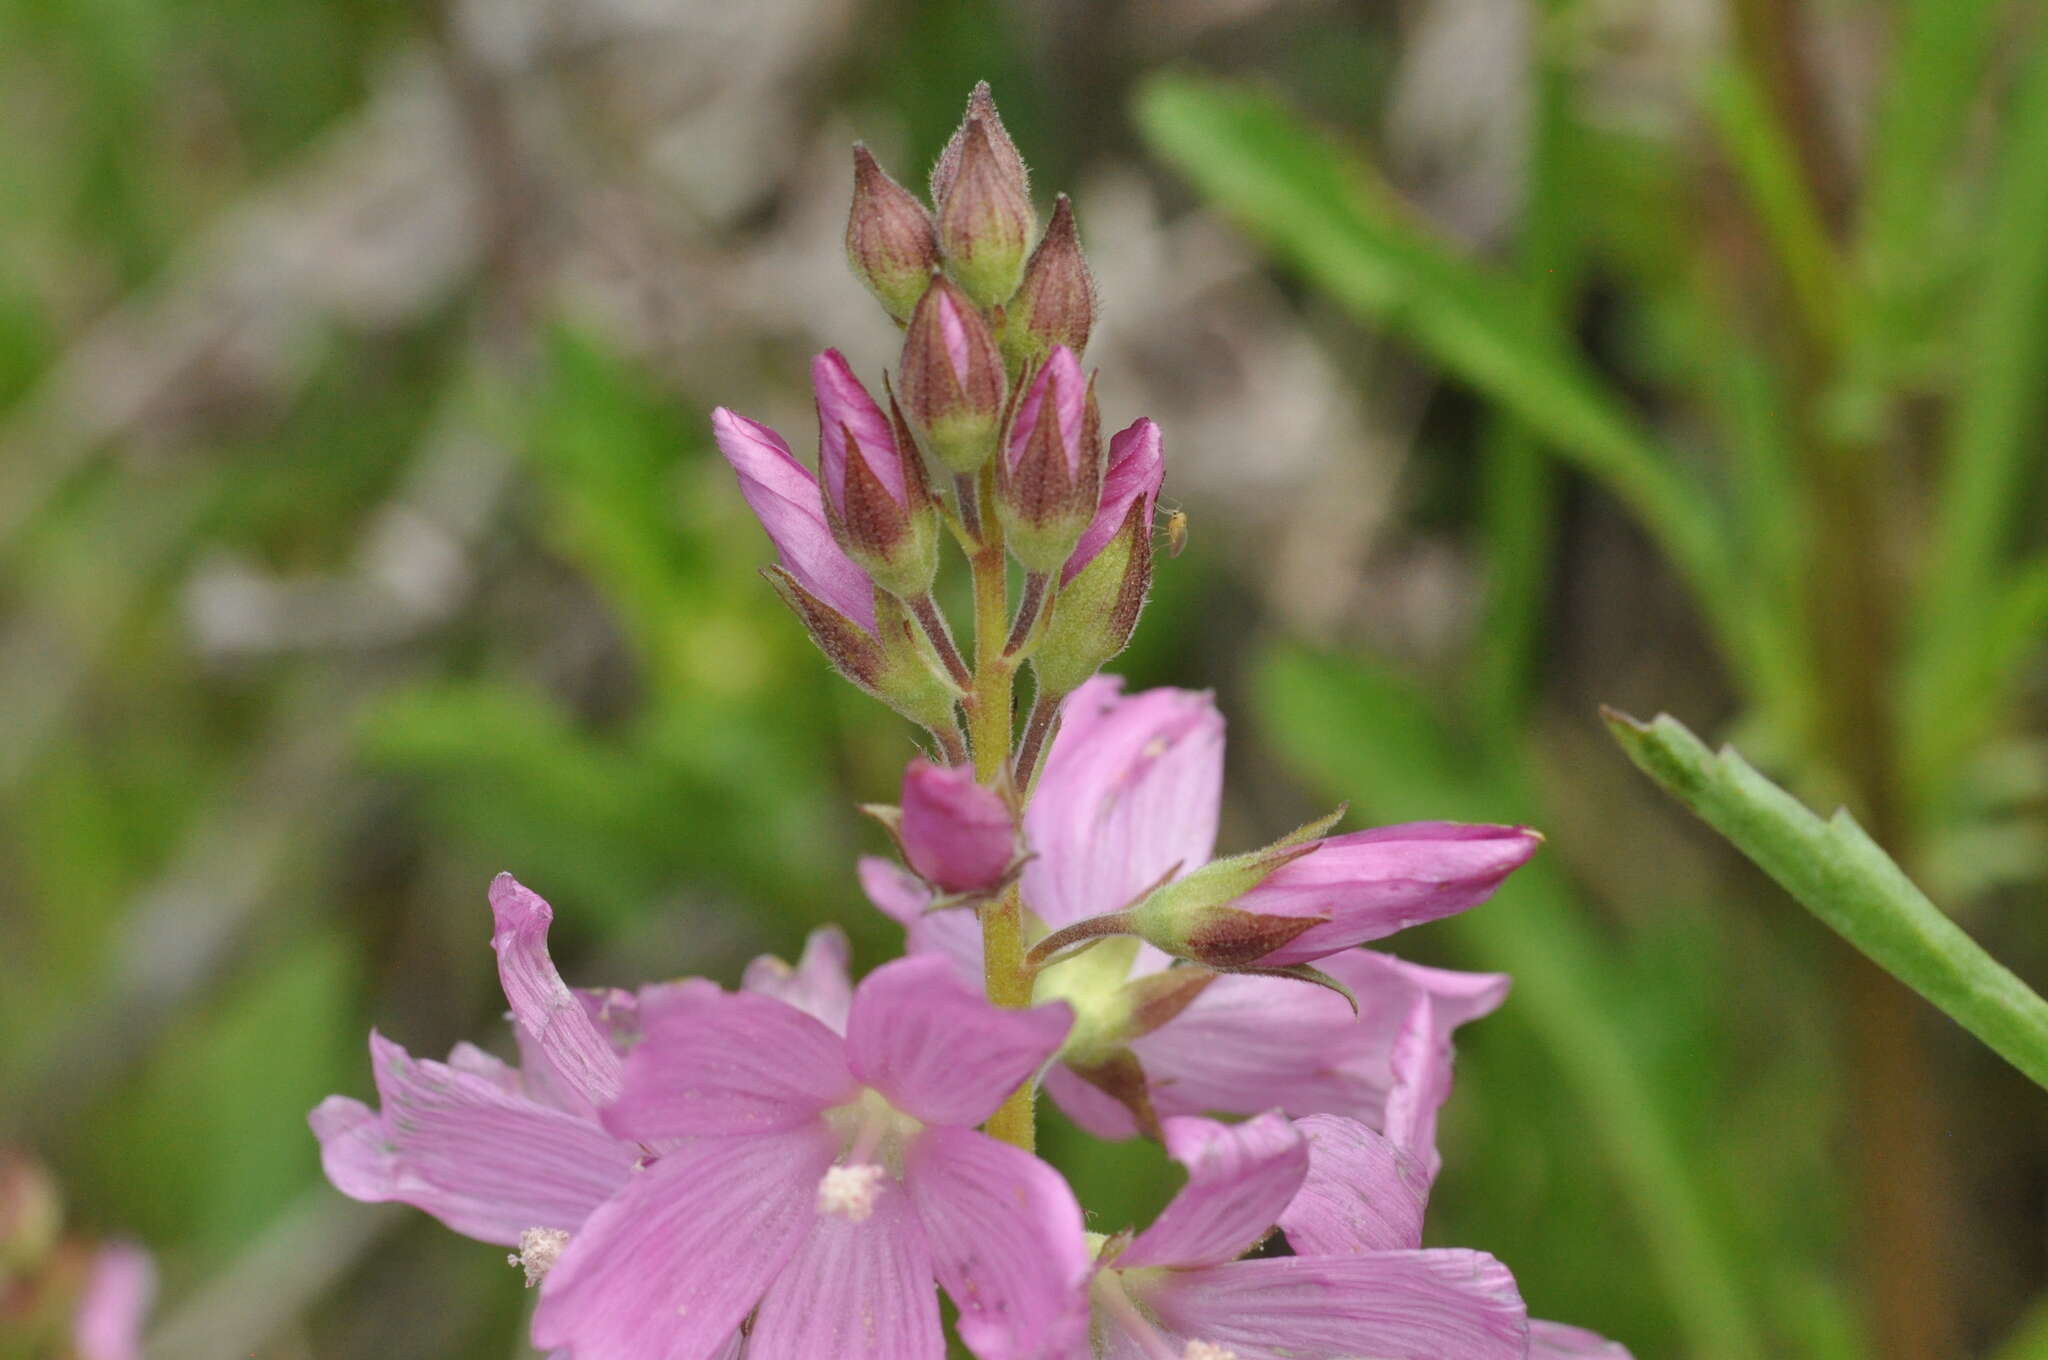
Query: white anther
[[539, 1249], [1207, 1350], [851, 1191]]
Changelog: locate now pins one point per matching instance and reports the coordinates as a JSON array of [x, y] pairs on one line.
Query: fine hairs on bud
[[891, 242]]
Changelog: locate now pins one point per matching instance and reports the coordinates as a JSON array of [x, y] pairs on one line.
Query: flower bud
[[981, 104], [986, 221], [1096, 613], [951, 379], [876, 500], [785, 498], [1050, 476], [1135, 473], [958, 835], [1055, 304], [890, 239], [1295, 902], [888, 659]]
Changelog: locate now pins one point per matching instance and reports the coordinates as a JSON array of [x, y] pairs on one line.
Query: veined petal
[[901, 896], [855, 1288], [938, 1049], [668, 1268], [1006, 1242], [712, 1063], [1130, 790], [1240, 1178], [1362, 1194], [1402, 1305], [844, 407], [784, 496], [818, 985], [1250, 1043], [487, 1162], [542, 1004], [1555, 1341], [1136, 471]]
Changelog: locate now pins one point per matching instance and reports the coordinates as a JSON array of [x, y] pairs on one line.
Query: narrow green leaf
[[1328, 215], [1842, 876]]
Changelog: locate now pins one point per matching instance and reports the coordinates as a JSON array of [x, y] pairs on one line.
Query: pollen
[[1207, 1350], [539, 1249], [850, 1192]]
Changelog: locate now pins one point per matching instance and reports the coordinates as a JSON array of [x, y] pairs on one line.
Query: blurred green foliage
[[227, 865]]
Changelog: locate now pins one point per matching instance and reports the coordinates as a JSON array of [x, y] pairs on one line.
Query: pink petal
[[844, 406], [1555, 1341], [1373, 883], [903, 897], [1240, 1178], [785, 498], [111, 1312], [1006, 1243], [938, 1049], [712, 1062], [1130, 790], [1061, 374], [542, 1004], [1251, 1044], [667, 1269], [956, 833], [855, 1289], [1136, 471], [1399, 1305], [615, 1014], [818, 985], [1362, 1193], [487, 1162]]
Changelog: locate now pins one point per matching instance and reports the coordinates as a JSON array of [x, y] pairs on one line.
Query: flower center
[[539, 1249], [871, 1133], [1115, 1307]]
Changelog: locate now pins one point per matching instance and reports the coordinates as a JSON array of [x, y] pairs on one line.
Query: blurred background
[[361, 536]]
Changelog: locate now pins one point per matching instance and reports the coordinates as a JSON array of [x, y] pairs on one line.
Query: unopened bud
[[891, 242], [986, 221], [888, 663], [951, 379], [1055, 304], [957, 834], [1050, 477], [876, 500], [1097, 611], [981, 104], [1304, 897]]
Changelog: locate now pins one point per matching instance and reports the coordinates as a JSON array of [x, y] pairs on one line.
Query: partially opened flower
[[957, 834], [784, 496], [1179, 1288], [820, 1184], [1130, 793]]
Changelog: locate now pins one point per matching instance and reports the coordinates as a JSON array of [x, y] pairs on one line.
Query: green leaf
[[1842, 876], [1325, 213]]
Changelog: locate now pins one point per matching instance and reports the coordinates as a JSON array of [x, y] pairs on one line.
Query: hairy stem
[[989, 729], [1028, 610]]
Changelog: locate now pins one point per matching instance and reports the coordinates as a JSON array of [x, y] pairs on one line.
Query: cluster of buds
[[992, 430]]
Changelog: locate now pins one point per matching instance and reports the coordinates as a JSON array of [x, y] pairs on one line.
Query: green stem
[[990, 728]]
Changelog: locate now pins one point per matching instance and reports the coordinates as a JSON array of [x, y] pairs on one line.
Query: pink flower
[[1364, 1197], [1136, 472], [119, 1289], [1131, 791], [1060, 380], [821, 1184], [1179, 1289], [956, 833], [784, 497]]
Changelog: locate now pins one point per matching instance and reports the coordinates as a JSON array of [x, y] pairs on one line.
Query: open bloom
[[820, 1183], [1179, 1289], [785, 498], [1130, 792]]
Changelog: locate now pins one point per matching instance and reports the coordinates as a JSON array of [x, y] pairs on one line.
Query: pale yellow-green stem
[[989, 729]]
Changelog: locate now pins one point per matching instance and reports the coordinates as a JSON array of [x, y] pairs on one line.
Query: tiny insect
[[1176, 532]]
